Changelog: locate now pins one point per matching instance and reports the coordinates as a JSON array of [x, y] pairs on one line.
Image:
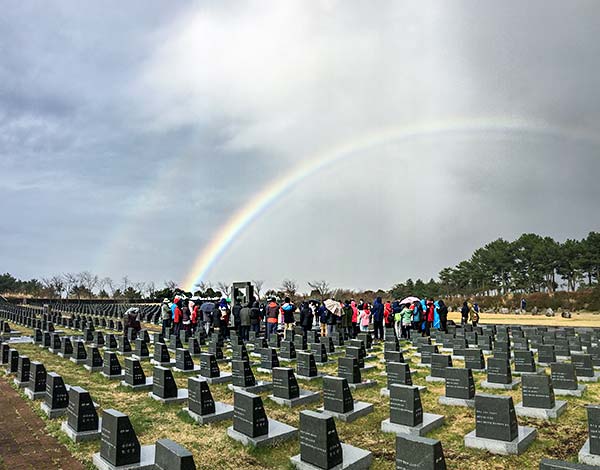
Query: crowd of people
[[408, 317]]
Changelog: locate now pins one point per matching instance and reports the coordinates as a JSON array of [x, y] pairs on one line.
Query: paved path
[[24, 443]]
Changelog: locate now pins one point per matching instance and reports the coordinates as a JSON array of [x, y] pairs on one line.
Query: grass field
[[213, 449], [587, 319]]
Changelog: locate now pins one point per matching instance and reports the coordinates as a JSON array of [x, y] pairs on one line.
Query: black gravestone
[[200, 400], [288, 350], [55, 342], [23, 368], [112, 366], [81, 413], [405, 405], [93, 357], [242, 375], [171, 456], [111, 342], [183, 360], [299, 342], [348, 369], [459, 383], [214, 348], [524, 361], [357, 353], [547, 464], [239, 352], [13, 360], [285, 384], [498, 371], [593, 415], [393, 356], [563, 376], [274, 341], [306, 366], [4, 348], [398, 373], [134, 373], [320, 352], [124, 345], [80, 352], [419, 453], [584, 366], [495, 417], [209, 366], [538, 391], [57, 397], [119, 444], [427, 350], [98, 338], [163, 383], [37, 374], [336, 395], [319, 442], [249, 417], [268, 358], [175, 342], [161, 353], [474, 359], [141, 348], [66, 347], [194, 347], [439, 364]]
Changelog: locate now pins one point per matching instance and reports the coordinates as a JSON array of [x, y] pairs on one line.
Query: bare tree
[[140, 287], [88, 280], [203, 286], [224, 287], [108, 283], [150, 290], [322, 288], [258, 285], [290, 287], [171, 285], [70, 280], [125, 283]]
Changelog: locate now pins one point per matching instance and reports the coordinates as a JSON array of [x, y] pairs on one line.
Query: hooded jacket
[[377, 310], [387, 312], [272, 312], [354, 312]]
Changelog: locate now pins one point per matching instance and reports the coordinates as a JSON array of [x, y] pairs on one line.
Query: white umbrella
[[410, 300]]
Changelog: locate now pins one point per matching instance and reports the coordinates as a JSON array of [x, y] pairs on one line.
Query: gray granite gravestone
[[243, 378], [123, 345], [111, 368], [419, 453], [94, 362], [406, 413], [547, 464], [56, 398], [286, 390], [164, 388], [460, 388], [209, 369], [306, 367], [161, 355], [172, 456], [474, 359], [82, 422], [590, 452], [439, 364], [79, 354], [268, 360], [184, 361], [338, 401], [584, 367], [564, 380], [499, 375], [135, 377], [201, 405], [140, 350], [23, 368], [36, 390], [538, 398]]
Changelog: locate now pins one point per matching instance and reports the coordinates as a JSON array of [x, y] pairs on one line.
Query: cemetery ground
[[213, 449]]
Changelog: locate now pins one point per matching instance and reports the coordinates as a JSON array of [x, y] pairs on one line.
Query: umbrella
[[207, 307], [410, 300], [334, 307]]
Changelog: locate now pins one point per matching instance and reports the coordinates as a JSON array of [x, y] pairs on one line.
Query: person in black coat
[[443, 314]]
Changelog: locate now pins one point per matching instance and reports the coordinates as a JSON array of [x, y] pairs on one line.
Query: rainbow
[[223, 239]]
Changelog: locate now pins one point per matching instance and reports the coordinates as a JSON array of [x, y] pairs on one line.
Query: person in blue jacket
[[377, 315]]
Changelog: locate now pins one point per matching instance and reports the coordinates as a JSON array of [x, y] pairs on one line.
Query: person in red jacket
[[387, 314], [177, 316], [194, 318], [429, 315]]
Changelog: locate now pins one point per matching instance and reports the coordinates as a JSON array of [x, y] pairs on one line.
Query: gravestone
[[584, 367], [56, 399], [496, 427], [82, 422], [397, 373], [564, 380], [183, 361], [112, 367], [135, 377], [460, 388], [287, 351], [36, 390], [164, 388], [538, 398], [499, 375], [338, 401], [242, 374], [306, 367], [161, 355], [124, 345], [274, 341], [209, 369], [320, 352], [319, 442], [427, 350], [13, 361], [172, 456], [94, 361], [590, 452], [216, 350], [54, 343], [201, 405], [110, 342], [4, 349], [119, 444], [286, 391], [194, 347], [79, 354], [268, 360], [141, 349], [548, 464], [348, 369], [357, 353], [239, 352], [66, 348], [393, 356], [439, 364], [175, 343], [474, 359], [23, 369], [98, 339], [299, 343], [524, 362], [406, 413], [419, 453]]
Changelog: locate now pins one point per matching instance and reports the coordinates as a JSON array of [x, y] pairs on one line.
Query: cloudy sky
[[131, 132]]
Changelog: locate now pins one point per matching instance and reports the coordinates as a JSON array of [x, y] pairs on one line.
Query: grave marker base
[[221, 379], [385, 392], [189, 371], [182, 396], [77, 361], [306, 377], [586, 457], [64, 356], [81, 436], [366, 368], [457, 402], [34, 395], [541, 413], [222, 412], [363, 384], [113, 377], [162, 364], [260, 387], [431, 378], [595, 378], [278, 432], [361, 409], [563, 392], [354, 459], [147, 457], [52, 414], [128, 353], [516, 447], [430, 422], [92, 369], [491, 385], [146, 386], [537, 371], [306, 396], [140, 358], [20, 384]]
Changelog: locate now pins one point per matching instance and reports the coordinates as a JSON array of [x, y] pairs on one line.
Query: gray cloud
[[129, 135]]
